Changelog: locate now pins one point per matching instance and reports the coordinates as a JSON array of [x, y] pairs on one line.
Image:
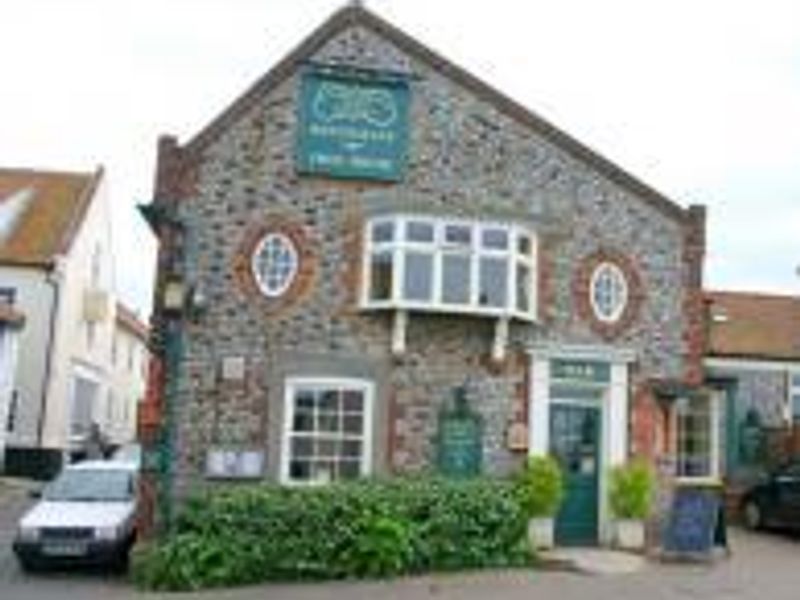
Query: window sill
[[492, 313], [706, 481]]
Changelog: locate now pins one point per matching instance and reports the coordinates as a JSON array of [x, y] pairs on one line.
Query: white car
[[86, 515]]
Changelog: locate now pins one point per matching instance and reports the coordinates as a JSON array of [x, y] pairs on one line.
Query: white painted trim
[[583, 352], [745, 364], [291, 384], [539, 408], [438, 248]]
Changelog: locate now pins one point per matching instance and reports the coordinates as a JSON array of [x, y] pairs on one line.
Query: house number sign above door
[[352, 125]]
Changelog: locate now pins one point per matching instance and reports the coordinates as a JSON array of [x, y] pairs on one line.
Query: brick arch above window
[[307, 262], [582, 291]]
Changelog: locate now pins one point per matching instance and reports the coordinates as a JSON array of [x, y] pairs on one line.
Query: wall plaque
[[352, 124]]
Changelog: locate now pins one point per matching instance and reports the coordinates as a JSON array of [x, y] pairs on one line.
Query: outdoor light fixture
[[174, 295]]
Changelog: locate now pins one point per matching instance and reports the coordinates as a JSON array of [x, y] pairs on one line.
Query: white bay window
[[422, 263]]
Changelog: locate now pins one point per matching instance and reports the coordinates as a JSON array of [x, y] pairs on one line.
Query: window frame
[[291, 386], [793, 389], [713, 476], [618, 310], [399, 247], [261, 283]]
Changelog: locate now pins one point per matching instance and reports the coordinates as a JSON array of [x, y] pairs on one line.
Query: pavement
[[763, 566]]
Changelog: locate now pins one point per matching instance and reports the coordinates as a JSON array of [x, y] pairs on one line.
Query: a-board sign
[[694, 521]]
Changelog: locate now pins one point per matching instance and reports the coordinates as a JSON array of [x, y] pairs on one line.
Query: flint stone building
[[371, 243]]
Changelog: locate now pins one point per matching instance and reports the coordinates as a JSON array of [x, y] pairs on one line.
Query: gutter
[[53, 279]]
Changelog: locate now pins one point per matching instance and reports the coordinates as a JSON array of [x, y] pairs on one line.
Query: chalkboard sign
[[460, 441], [694, 523]]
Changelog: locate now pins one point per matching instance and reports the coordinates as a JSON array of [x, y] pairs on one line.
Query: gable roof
[[55, 204], [354, 14], [751, 325]]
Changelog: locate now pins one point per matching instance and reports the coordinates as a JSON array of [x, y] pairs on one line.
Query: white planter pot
[[629, 534], [541, 533]]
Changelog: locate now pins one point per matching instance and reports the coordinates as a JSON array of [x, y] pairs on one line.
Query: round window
[[609, 292], [275, 264]]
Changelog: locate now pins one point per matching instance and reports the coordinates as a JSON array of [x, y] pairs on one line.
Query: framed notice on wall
[[352, 124]]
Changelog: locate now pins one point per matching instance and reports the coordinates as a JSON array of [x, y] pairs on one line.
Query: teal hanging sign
[[588, 371], [353, 125]]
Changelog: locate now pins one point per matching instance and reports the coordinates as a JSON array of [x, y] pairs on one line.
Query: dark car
[[775, 502]]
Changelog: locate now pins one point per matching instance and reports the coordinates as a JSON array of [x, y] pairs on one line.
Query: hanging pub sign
[[352, 124], [460, 439]]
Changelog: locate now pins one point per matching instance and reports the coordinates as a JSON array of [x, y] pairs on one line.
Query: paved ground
[[763, 567]]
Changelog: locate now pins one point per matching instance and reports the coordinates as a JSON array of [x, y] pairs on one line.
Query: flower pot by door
[[541, 533], [629, 534]]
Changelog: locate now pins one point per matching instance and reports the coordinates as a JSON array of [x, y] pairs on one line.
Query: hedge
[[249, 534]]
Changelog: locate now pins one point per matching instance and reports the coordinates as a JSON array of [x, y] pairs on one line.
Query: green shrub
[[539, 487], [247, 534], [631, 490]]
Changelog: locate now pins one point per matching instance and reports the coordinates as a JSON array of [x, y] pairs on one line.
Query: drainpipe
[[53, 278]]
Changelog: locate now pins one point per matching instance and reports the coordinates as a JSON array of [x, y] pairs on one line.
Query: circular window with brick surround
[[274, 264], [608, 292]]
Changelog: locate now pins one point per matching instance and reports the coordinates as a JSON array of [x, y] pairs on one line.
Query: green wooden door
[[575, 444]]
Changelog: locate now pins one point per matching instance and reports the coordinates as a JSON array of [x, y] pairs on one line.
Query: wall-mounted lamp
[[174, 295]]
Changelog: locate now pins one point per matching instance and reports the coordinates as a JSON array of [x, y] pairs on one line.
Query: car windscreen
[[90, 485]]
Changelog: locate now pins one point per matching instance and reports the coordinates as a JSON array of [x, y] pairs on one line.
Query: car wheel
[[753, 517]]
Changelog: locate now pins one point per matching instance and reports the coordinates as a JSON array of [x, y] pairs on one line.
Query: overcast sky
[[699, 98]]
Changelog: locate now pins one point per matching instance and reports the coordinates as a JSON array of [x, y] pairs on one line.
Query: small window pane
[[300, 470], [381, 274], [524, 245], [493, 282], [796, 380], [524, 287], [796, 406], [459, 235], [302, 447], [353, 400], [419, 231], [455, 279], [349, 469], [495, 239], [353, 424], [418, 277], [303, 421], [383, 232], [328, 423], [327, 448], [329, 400], [351, 448]]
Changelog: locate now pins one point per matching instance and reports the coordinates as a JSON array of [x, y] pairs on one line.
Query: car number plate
[[64, 549]]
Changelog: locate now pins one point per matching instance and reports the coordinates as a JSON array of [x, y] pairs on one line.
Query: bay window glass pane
[[353, 400], [796, 406], [383, 232], [493, 282], [458, 235], [524, 290], [349, 469], [524, 244], [455, 279], [418, 277], [419, 231], [494, 239], [302, 447], [694, 439], [796, 381], [381, 274]]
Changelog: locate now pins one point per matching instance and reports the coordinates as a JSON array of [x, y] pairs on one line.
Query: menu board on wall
[[352, 125], [460, 443]]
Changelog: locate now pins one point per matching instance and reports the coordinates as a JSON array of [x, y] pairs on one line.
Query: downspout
[[53, 278]]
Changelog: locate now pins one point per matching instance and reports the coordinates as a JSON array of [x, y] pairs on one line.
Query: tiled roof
[[129, 320], [51, 206], [750, 325], [10, 315]]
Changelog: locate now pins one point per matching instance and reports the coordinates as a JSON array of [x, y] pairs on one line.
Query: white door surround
[[614, 402]]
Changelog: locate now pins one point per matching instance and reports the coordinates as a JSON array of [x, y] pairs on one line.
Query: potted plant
[[540, 489], [631, 498]]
